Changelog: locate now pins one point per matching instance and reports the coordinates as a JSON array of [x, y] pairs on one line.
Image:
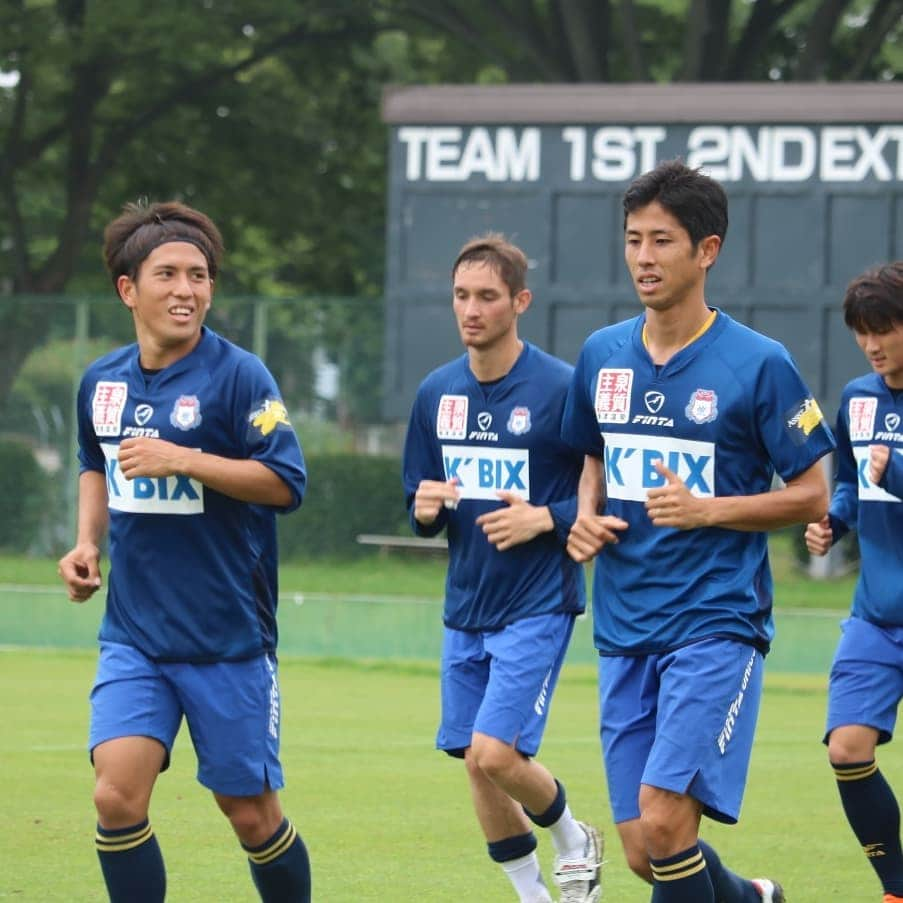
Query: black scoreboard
[[813, 172]]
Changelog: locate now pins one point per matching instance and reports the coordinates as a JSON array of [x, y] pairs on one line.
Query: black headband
[[150, 236]]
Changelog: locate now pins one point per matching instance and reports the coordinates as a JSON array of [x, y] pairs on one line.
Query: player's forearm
[[245, 480], [794, 504], [590, 489], [93, 515]]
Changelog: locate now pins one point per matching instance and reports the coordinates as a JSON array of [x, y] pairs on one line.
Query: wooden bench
[[385, 542]]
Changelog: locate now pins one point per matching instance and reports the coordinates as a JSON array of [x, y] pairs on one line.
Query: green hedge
[[23, 496], [346, 495]]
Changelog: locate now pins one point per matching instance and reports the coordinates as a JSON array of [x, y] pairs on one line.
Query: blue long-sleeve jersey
[[724, 414], [871, 414], [192, 571], [499, 436]]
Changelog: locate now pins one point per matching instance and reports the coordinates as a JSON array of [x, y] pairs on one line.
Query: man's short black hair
[[698, 202], [874, 300]]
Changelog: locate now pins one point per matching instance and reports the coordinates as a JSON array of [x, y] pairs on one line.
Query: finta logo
[[484, 421]]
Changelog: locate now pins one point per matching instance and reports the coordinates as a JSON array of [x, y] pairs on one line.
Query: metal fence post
[[79, 344]]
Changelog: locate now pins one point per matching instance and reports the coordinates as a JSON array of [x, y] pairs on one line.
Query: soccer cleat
[[770, 891], [890, 898], [578, 879]]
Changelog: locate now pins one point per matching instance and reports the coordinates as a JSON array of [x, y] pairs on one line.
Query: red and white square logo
[[862, 418], [451, 419], [107, 407], [613, 389]]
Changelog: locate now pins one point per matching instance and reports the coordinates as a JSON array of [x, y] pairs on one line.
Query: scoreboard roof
[[696, 102]]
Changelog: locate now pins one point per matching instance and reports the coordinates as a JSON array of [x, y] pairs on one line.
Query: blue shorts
[[500, 682], [866, 682], [232, 710], [682, 721]]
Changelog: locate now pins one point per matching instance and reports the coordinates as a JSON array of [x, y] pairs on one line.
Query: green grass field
[[385, 816]]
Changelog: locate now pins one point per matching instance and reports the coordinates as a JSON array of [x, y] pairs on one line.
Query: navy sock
[[683, 878], [132, 864], [553, 813], [512, 847], [872, 811], [728, 886], [280, 867]]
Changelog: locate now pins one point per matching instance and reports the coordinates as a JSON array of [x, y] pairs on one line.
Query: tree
[[671, 40], [235, 112], [266, 114]]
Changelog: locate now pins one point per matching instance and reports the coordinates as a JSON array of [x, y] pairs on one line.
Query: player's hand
[[80, 570], [518, 523], [432, 496], [590, 533], [673, 505], [819, 536], [879, 455], [145, 457]]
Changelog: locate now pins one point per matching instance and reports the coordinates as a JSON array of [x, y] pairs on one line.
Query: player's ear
[[708, 251], [522, 300], [126, 289]]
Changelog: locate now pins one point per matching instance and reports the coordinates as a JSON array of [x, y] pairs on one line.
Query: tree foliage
[[265, 114]]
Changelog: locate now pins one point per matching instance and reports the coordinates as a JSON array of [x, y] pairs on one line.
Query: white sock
[[526, 876], [568, 837]]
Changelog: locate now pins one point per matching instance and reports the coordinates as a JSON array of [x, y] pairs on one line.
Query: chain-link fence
[[325, 352]]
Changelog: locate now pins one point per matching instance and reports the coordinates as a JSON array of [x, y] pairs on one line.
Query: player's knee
[[254, 819], [638, 862], [117, 807], [847, 746], [492, 757], [659, 830]]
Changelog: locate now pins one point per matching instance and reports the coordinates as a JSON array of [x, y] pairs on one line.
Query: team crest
[[107, 407], [862, 418], [803, 419], [613, 388], [519, 421], [186, 413], [703, 406], [451, 418], [268, 415], [891, 422]]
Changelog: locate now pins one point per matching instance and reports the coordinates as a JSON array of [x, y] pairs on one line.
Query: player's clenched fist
[[819, 536], [590, 533], [432, 496], [878, 458], [80, 570]]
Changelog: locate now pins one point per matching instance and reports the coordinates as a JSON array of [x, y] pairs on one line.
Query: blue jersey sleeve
[[90, 455], [845, 500], [420, 462], [564, 513], [263, 428], [791, 425], [579, 427]]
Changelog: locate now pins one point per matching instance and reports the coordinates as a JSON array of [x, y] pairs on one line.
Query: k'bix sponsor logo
[[177, 494], [482, 472], [630, 464]]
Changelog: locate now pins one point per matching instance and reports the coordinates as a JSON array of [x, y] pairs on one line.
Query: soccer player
[[186, 453], [866, 683], [483, 459], [685, 415]]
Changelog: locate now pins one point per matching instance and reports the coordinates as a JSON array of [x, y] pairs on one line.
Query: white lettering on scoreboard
[[768, 153]]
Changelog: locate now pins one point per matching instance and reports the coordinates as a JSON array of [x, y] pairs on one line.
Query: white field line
[[298, 598]]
